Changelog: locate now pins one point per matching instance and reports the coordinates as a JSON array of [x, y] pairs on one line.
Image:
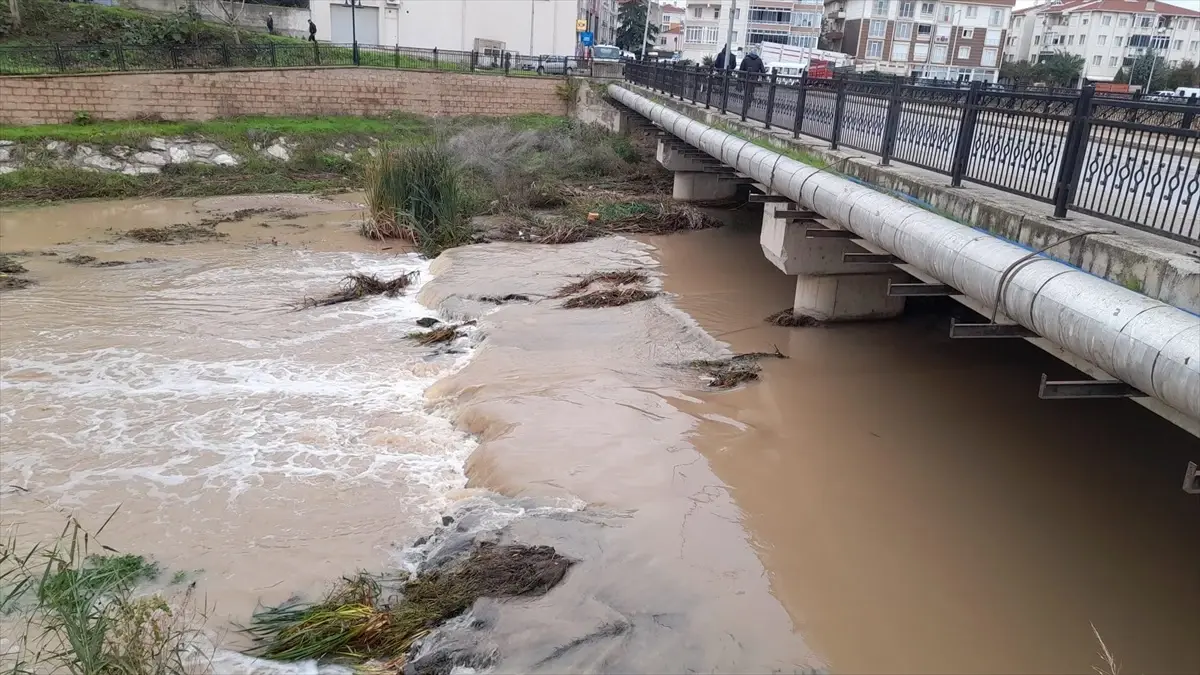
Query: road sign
[[580, 25], [586, 38]]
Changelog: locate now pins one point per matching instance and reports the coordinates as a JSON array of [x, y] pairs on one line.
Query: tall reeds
[[417, 193]]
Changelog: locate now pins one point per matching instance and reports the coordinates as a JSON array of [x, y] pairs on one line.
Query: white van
[[789, 68], [1188, 92]]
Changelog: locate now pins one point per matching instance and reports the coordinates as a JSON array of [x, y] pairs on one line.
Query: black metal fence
[[32, 60], [1133, 161]]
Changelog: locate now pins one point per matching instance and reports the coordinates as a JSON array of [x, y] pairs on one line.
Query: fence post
[[274, 62], [507, 63], [724, 91], [396, 56], [435, 58], [316, 53], [58, 56], [1190, 116], [770, 101], [472, 60], [174, 58], [892, 125], [966, 134], [708, 87], [839, 108], [354, 52], [747, 92], [566, 66], [798, 123], [225, 56], [1074, 152], [121, 57]]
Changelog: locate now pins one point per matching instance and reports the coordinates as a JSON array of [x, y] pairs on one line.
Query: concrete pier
[[847, 297], [695, 176]]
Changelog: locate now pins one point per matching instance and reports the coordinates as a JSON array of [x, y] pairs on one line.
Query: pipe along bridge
[[858, 253]]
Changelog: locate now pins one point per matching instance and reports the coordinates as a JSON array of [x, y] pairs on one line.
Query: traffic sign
[[586, 38]]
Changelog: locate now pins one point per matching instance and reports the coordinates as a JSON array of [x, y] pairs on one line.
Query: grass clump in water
[[788, 318], [417, 194], [613, 297], [730, 372], [446, 333], [616, 278], [9, 265], [178, 233], [357, 622], [357, 286]]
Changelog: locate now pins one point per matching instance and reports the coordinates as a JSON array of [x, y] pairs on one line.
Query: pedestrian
[[270, 23], [312, 31], [752, 69], [719, 62]]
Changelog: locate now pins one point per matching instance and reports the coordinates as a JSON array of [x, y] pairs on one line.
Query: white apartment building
[[521, 26], [789, 22], [1108, 34], [670, 30], [961, 40]]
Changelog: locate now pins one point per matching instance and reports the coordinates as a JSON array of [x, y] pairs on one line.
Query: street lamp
[[353, 29], [1154, 55]]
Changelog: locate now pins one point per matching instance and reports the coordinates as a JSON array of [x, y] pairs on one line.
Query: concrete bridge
[[859, 247]]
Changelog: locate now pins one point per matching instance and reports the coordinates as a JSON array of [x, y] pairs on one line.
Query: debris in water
[[443, 333], [79, 260], [10, 266], [788, 318], [179, 233], [614, 297], [11, 283], [618, 278], [501, 299], [427, 322], [359, 620], [356, 286], [730, 372]]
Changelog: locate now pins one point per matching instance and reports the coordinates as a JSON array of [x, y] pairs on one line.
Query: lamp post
[[729, 36], [1154, 55], [646, 29], [353, 29]]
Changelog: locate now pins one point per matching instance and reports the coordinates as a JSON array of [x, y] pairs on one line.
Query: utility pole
[[646, 30], [729, 36]]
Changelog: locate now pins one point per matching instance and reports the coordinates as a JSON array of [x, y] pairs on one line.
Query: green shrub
[[417, 193]]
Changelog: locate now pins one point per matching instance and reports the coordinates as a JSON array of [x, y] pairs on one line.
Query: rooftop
[[1116, 6]]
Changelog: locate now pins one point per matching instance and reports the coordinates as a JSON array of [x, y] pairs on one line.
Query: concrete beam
[[697, 186], [854, 297]]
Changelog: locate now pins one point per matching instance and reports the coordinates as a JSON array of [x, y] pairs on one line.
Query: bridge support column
[[692, 186], [847, 297]]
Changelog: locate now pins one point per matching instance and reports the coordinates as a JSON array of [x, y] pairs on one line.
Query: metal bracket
[[824, 233], [719, 169], [772, 199], [901, 290], [796, 214], [880, 258], [1086, 389], [989, 330], [1191, 479]]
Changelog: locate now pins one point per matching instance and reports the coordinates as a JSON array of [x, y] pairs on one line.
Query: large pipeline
[[1146, 343]]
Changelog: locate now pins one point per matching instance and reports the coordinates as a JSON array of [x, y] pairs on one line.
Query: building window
[[923, 31], [947, 13], [1145, 21], [1083, 39], [881, 8], [665, 27], [809, 41], [1112, 62], [755, 37], [939, 53], [1193, 45], [765, 15], [717, 13], [712, 34], [1070, 39], [989, 57], [1096, 60], [903, 31], [920, 53], [996, 18], [927, 8], [1106, 20], [1118, 40], [806, 19], [1085, 21], [900, 51], [662, 39], [1101, 40], [735, 37], [693, 34], [697, 12], [943, 34], [1183, 24], [1037, 39], [906, 10], [972, 11], [878, 29], [967, 33], [1123, 21], [737, 14], [874, 49], [991, 38], [964, 53]]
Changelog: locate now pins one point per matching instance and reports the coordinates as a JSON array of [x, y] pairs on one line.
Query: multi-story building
[[790, 22], [1107, 34], [959, 40], [601, 17], [670, 31]]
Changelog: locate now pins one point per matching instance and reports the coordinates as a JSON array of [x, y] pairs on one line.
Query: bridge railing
[[1130, 160], [101, 58]]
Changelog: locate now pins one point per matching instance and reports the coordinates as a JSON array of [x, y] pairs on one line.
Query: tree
[[1186, 75], [231, 12], [1020, 71], [1138, 73], [1060, 69], [632, 17]]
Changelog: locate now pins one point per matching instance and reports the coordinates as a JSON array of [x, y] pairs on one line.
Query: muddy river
[[885, 500]]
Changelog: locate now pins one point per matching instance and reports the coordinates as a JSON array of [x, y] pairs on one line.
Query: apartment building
[[789, 22], [601, 17], [960, 40], [1107, 34], [670, 31]]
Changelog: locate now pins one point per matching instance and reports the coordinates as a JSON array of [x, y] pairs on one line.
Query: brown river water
[[885, 500]]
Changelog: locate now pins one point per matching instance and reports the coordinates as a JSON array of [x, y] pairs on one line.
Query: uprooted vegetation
[[620, 287], [438, 334], [10, 268], [735, 370], [788, 318], [174, 234], [357, 286], [10, 265], [376, 619], [612, 297], [617, 278]]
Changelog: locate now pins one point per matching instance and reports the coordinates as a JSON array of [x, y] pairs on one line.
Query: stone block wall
[[206, 95]]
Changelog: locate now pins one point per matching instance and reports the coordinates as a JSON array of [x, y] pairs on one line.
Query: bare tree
[[230, 12]]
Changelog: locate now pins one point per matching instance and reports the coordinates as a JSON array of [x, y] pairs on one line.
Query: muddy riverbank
[[881, 501]]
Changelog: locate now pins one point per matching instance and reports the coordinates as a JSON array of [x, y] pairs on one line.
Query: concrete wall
[[288, 20], [296, 91]]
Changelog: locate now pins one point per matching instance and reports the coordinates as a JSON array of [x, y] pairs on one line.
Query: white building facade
[[791, 22], [520, 26], [1107, 34]]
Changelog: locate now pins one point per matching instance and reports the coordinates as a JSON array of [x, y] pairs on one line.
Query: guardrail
[[101, 58], [1132, 161]]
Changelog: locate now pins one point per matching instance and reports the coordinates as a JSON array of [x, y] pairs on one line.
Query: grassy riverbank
[[325, 154]]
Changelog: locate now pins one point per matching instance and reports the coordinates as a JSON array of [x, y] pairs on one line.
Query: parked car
[[606, 54], [555, 65]]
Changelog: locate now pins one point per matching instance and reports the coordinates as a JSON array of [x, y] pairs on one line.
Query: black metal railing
[[100, 58], [1124, 158]]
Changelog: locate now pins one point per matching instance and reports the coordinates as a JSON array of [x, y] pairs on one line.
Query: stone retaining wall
[[207, 95]]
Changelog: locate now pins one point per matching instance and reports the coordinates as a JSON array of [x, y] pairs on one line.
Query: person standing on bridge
[[719, 63], [312, 31], [270, 23]]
